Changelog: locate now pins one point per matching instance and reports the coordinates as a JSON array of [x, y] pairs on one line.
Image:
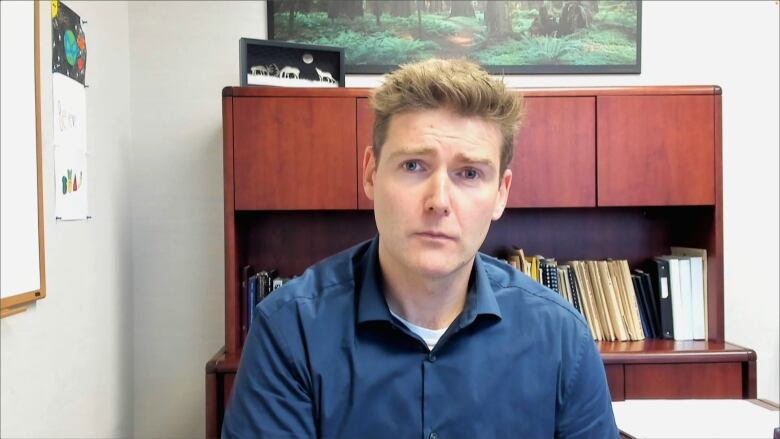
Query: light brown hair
[[454, 84]]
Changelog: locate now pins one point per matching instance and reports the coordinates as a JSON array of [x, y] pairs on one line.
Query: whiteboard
[[20, 230]]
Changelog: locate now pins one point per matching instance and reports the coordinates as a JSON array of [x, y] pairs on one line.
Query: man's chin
[[434, 266]]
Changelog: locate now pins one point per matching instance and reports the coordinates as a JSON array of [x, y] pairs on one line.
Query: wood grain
[[655, 150], [616, 381], [294, 153], [365, 134], [555, 154], [684, 381]]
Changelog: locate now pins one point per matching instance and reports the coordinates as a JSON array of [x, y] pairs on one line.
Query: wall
[[67, 361], [182, 54]]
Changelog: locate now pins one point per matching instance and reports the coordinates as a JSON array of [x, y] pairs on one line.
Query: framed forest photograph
[[515, 37]]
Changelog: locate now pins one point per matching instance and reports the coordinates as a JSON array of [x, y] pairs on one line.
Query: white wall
[[182, 54], [67, 362]]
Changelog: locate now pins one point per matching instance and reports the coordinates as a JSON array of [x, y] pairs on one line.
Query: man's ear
[[503, 194], [369, 172]]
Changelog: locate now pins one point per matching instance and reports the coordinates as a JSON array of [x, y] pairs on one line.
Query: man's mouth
[[435, 235]]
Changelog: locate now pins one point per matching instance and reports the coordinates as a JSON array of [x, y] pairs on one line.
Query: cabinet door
[[554, 162], [294, 153], [656, 150], [684, 381], [365, 133]]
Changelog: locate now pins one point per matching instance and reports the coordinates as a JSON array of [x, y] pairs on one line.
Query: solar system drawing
[[69, 63], [69, 44]]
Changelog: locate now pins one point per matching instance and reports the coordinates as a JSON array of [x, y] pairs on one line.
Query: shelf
[[671, 351]]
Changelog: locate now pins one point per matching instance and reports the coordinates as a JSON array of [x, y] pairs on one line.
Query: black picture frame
[[273, 6], [254, 52]]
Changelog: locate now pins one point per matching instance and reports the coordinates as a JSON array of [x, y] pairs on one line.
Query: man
[[415, 333]]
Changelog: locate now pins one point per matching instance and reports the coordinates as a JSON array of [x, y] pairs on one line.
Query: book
[[686, 294], [701, 253], [697, 299], [613, 306], [679, 319], [625, 272], [252, 288], [601, 301], [591, 313], [620, 297], [574, 289], [662, 287], [625, 291], [652, 302], [246, 272], [563, 285], [637, 282], [552, 275]]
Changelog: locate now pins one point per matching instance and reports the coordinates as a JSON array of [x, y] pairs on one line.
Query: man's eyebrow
[[422, 150], [474, 160]]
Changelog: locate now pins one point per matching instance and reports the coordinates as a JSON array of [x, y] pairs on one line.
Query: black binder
[[663, 291]]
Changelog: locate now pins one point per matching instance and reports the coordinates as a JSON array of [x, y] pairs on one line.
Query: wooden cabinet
[[365, 133], [598, 173], [656, 150], [554, 162], [294, 153]]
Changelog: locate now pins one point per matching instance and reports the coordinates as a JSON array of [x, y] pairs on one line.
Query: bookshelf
[[614, 172]]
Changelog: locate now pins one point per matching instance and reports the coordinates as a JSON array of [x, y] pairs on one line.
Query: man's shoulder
[[327, 278], [518, 292]]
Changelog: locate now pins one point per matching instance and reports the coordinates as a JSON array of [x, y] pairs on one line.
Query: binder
[[251, 299], [662, 287], [686, 310], [651, 298], [246, 272], [697, 298], [701, 253], [643, 313]]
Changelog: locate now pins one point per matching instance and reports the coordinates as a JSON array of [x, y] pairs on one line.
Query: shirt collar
[[372, 305]]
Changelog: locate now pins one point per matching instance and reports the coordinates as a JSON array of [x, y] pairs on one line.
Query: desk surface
[[697, 418]]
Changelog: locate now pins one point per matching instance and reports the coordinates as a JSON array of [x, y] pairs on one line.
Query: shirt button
[[433, 435], [432, 358]]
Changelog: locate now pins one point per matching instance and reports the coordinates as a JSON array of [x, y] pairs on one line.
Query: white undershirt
[[430, 336]]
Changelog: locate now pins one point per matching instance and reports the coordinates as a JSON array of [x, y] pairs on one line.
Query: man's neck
[[430, 303]]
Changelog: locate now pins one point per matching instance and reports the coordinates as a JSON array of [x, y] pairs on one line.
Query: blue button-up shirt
[[325, 358]]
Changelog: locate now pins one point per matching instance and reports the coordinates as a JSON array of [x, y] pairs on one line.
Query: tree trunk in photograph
[[419, 21], [574, 17], [400, 8], [544, 23], [376, 7], [462, 9], [345, 8], [497, 20], [291, 17]]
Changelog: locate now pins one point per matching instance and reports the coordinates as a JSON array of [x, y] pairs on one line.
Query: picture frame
[[523, 37], [286, 64]]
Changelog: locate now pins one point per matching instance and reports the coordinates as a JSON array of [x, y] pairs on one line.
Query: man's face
[[436, 190]]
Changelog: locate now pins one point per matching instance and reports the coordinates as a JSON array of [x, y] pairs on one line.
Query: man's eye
[[470, 174], [412, 166]]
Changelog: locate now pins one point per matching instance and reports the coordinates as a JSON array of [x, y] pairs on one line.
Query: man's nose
[[437, 200]]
